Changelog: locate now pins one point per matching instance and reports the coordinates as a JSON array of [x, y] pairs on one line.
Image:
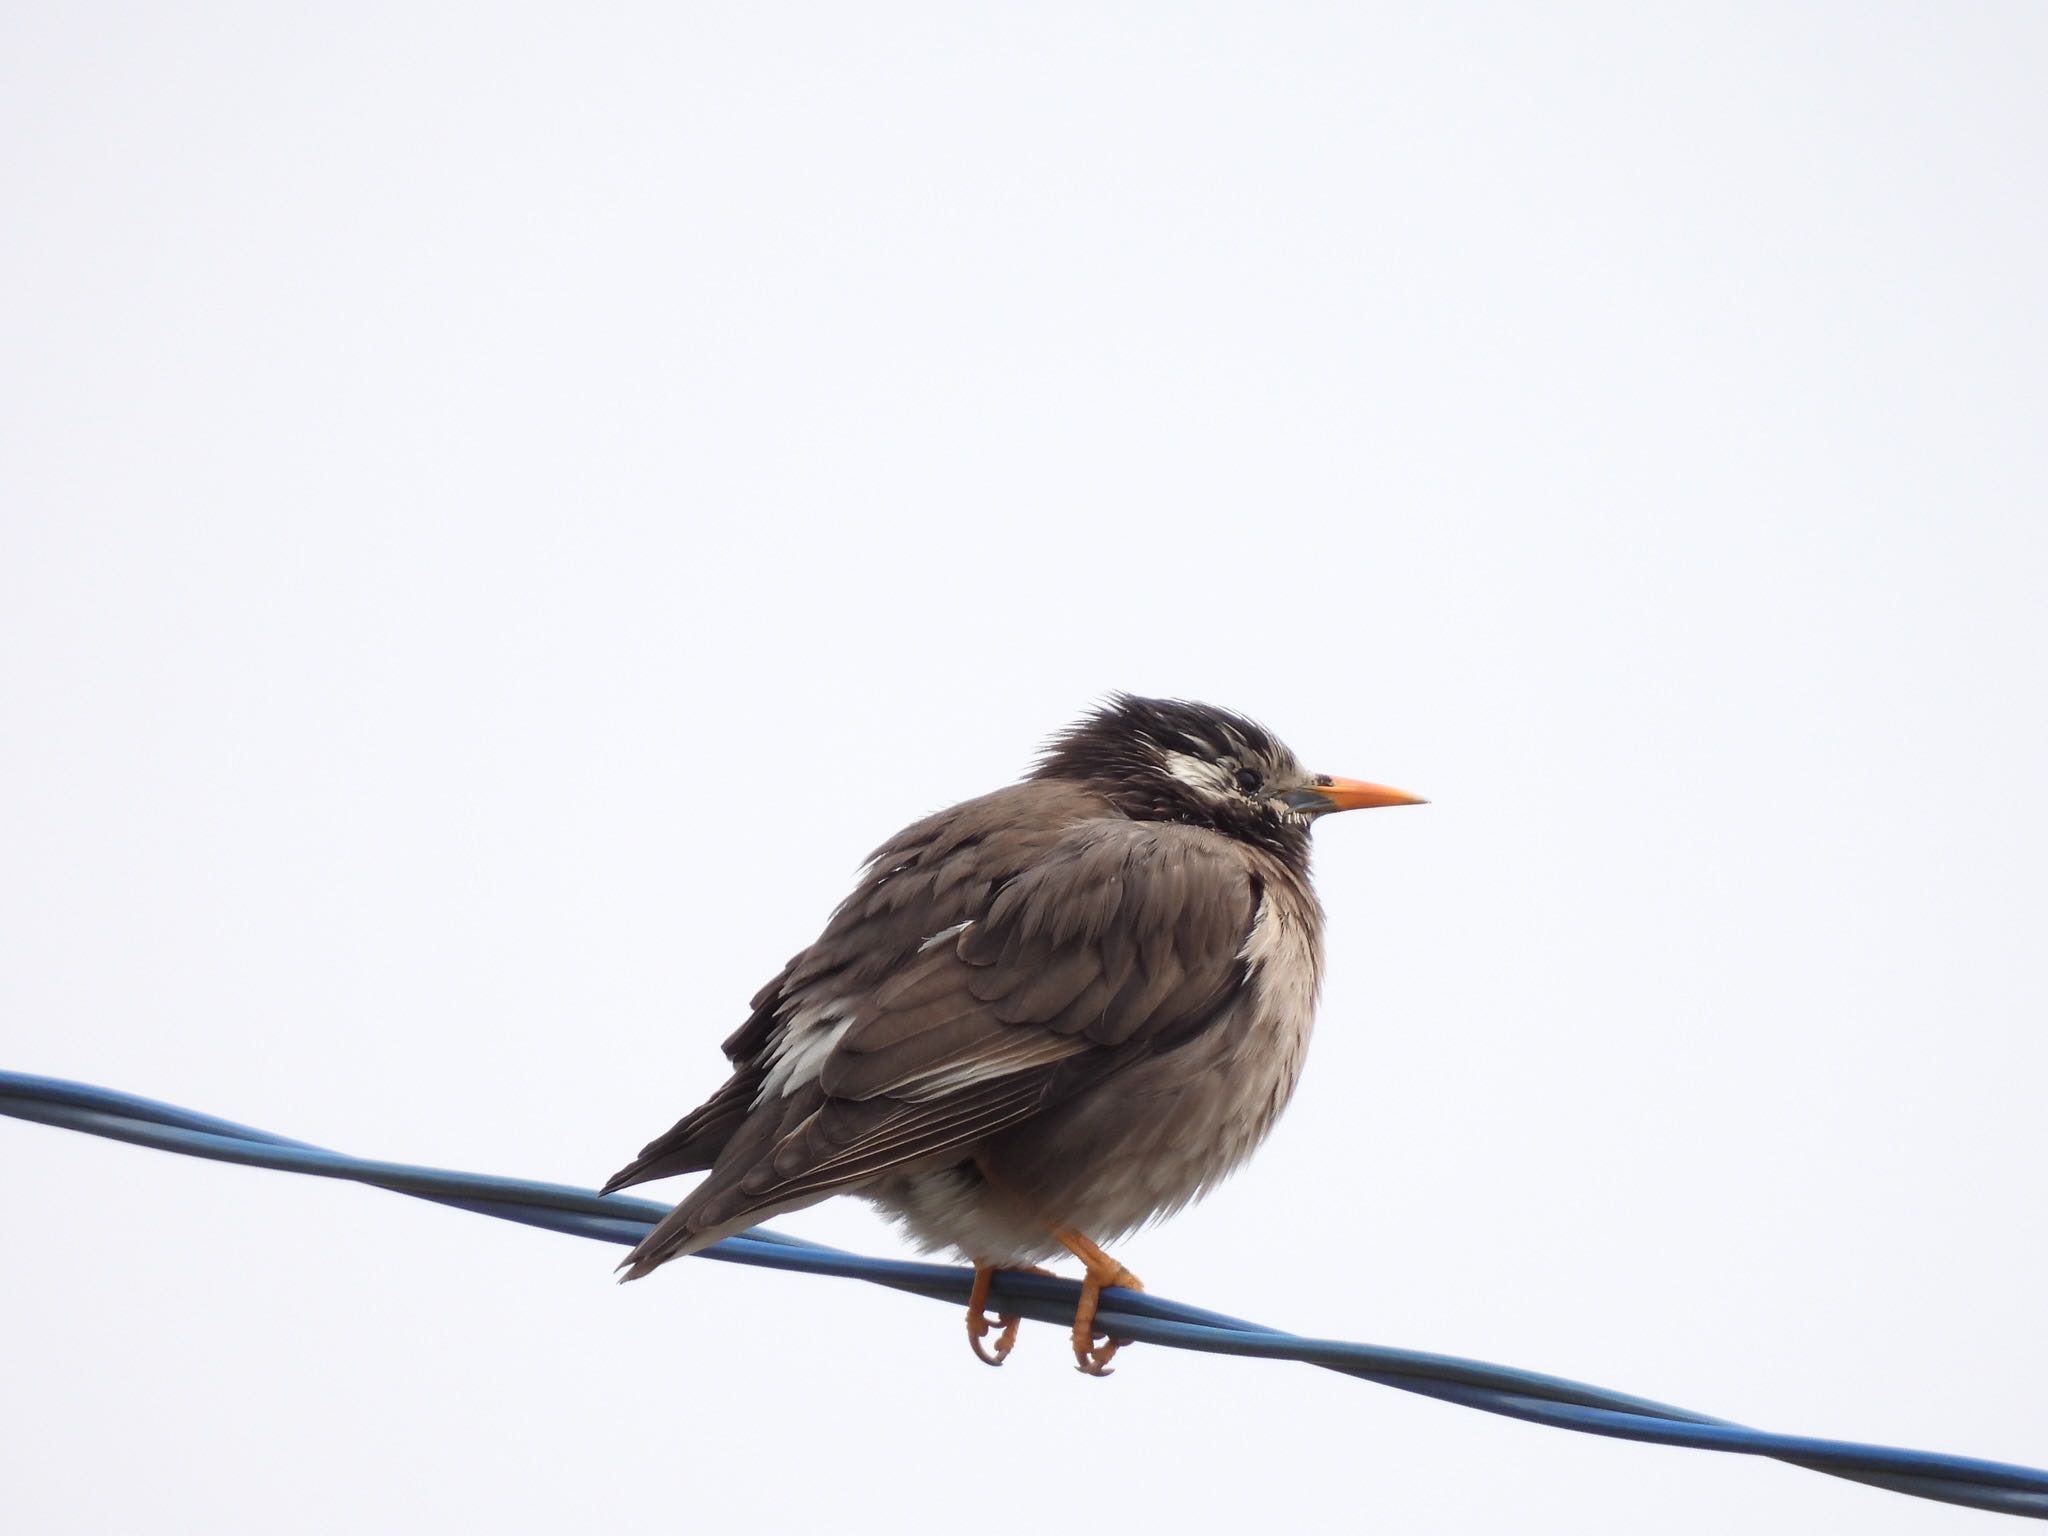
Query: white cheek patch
[[1196, 773]]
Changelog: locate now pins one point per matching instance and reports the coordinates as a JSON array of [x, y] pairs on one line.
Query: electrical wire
[[1139, 1317]]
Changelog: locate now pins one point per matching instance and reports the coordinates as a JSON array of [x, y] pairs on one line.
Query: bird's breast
[[1283, 957], [1164, 1131]]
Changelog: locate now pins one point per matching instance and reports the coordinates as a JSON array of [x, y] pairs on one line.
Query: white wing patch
[[806, 1039], [1032, 1048], [942, 935]]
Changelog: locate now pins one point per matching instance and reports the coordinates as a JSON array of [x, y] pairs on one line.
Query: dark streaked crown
[[1175, 760]]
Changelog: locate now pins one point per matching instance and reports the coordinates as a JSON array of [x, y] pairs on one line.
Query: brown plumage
[[1043, 1018]]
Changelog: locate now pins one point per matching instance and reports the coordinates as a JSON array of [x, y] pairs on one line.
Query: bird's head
[[1171, 760]]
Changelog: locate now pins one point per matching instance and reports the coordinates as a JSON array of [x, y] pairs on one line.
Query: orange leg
[[979, 1324], [1102, 1271]]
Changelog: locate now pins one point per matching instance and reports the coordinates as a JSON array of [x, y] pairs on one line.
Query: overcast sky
[[502, 507]]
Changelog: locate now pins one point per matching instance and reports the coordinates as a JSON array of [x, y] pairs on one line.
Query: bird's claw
[[1004, 1326], [1092, 1357], [1093, 1351]]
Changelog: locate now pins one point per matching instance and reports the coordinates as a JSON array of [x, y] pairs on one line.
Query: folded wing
[[1121, 939]]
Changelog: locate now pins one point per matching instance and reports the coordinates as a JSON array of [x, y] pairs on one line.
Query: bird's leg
[[1102, 1270], [979, 1324]]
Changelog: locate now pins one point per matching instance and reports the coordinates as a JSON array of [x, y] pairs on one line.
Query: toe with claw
[[1093, 1351], [1102, 1272], [1003, 1325]]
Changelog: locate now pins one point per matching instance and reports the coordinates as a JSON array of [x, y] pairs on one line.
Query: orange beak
[[1328, 794]]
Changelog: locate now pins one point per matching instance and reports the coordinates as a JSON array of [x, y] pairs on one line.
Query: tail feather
[[710, 1213], [673, 1236], [693, 1142], [723, 1204]]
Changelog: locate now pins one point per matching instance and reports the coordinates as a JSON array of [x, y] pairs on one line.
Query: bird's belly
[[1135, 1148]]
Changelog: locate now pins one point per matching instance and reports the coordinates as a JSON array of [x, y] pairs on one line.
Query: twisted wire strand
[[1140, 1317]]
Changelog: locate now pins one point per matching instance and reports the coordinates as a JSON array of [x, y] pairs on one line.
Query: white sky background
[[503, 508]]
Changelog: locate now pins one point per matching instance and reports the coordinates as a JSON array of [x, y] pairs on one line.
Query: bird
[[1044, 1018]]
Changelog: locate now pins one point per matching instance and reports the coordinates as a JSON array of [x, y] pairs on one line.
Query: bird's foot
[[1102, 1271], [1004, 1324], [1093, 1351]]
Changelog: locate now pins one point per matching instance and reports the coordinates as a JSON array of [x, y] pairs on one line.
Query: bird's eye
[[1248, 780]]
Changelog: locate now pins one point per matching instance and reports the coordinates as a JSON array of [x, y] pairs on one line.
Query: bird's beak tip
[[1334, 794]]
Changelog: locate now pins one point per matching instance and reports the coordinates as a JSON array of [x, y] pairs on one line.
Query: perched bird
[[1043, 1019]]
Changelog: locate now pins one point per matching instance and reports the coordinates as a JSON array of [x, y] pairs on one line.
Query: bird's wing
[[1122, 939], [1124, 933], [934, 875]]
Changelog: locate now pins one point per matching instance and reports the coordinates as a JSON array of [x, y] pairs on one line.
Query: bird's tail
[[694, 1141], [673, 1237], [710, 1213]]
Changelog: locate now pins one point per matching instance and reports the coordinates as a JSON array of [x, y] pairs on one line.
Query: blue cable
[[1137, 1316]]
